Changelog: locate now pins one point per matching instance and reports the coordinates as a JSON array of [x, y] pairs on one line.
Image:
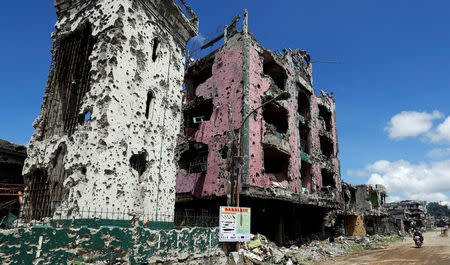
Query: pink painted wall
[[225, 86]]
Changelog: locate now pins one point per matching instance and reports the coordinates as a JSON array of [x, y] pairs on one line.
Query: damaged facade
[[364, 209], [12, 157], [287, 165], [106, 133], [407, 215]]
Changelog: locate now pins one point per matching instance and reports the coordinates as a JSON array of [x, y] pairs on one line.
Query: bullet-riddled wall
[[106, 134]]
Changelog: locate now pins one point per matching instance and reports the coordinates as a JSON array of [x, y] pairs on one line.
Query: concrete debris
[[235, 259], [407, 215], [269, 253]]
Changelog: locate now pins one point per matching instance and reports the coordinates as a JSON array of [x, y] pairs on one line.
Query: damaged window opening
[[37, 196], [306, 175], [277, 116], [304, 138], [276, 162], [155, 49], [303, 102], [198, 76], [45, 191], [195, 159], [139, 162], [274, 70], [68, 83], [325, 115], [195, 115], [326, 146], [149, 105], [327, 178], [374, 199]]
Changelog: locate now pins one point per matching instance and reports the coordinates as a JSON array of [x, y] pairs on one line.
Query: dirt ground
[[435, 250]]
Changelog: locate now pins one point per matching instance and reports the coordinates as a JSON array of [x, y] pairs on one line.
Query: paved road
[[436, 250]]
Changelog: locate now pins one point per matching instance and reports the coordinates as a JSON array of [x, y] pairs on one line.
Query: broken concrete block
[[253, 257], [235, 259], [254, 244]]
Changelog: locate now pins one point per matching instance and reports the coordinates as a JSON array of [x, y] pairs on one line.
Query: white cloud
[[437, 153], [441, 133], [393, 198], [411, 123], [198, 40], [356, 173], [424, 181]]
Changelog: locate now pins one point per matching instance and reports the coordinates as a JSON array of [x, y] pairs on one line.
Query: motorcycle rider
[[418, 233]]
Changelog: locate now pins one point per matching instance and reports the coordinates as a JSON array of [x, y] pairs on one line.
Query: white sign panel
[[234, 224]]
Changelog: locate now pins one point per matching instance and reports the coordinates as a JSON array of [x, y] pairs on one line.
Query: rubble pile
[[260, 250]]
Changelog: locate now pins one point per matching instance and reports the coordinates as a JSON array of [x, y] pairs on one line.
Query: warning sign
[[234, 224]]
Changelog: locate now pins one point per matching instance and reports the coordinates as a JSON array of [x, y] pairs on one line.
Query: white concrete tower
[[106, 133]]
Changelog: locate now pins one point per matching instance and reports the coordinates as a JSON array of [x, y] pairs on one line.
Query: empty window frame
[[325, 115], [155, 49], [303, 102], [277, 116], [195, 159], [149, 104], [274, 70], [196, 114], [327, 178], [306, 175], [326, 146], [196, 76], [276, 162], [305, 138], [68, 82]]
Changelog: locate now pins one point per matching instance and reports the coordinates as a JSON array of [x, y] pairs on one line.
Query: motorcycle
[[418, 241]]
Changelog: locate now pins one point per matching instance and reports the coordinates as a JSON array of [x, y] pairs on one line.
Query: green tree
[[437, 210]]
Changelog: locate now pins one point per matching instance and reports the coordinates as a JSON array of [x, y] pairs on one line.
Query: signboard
[[234, 224]]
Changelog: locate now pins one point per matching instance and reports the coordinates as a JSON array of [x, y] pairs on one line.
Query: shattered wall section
[[406, 215], [119, 155]]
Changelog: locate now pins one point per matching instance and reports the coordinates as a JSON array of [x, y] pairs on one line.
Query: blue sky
[[391, 88]]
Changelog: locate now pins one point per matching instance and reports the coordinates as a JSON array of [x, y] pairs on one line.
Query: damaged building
[[407, 215], [12, 157], [282, 159], [364, 209], [106, 133]]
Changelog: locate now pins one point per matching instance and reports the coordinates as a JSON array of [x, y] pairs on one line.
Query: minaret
[[107, 130]]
